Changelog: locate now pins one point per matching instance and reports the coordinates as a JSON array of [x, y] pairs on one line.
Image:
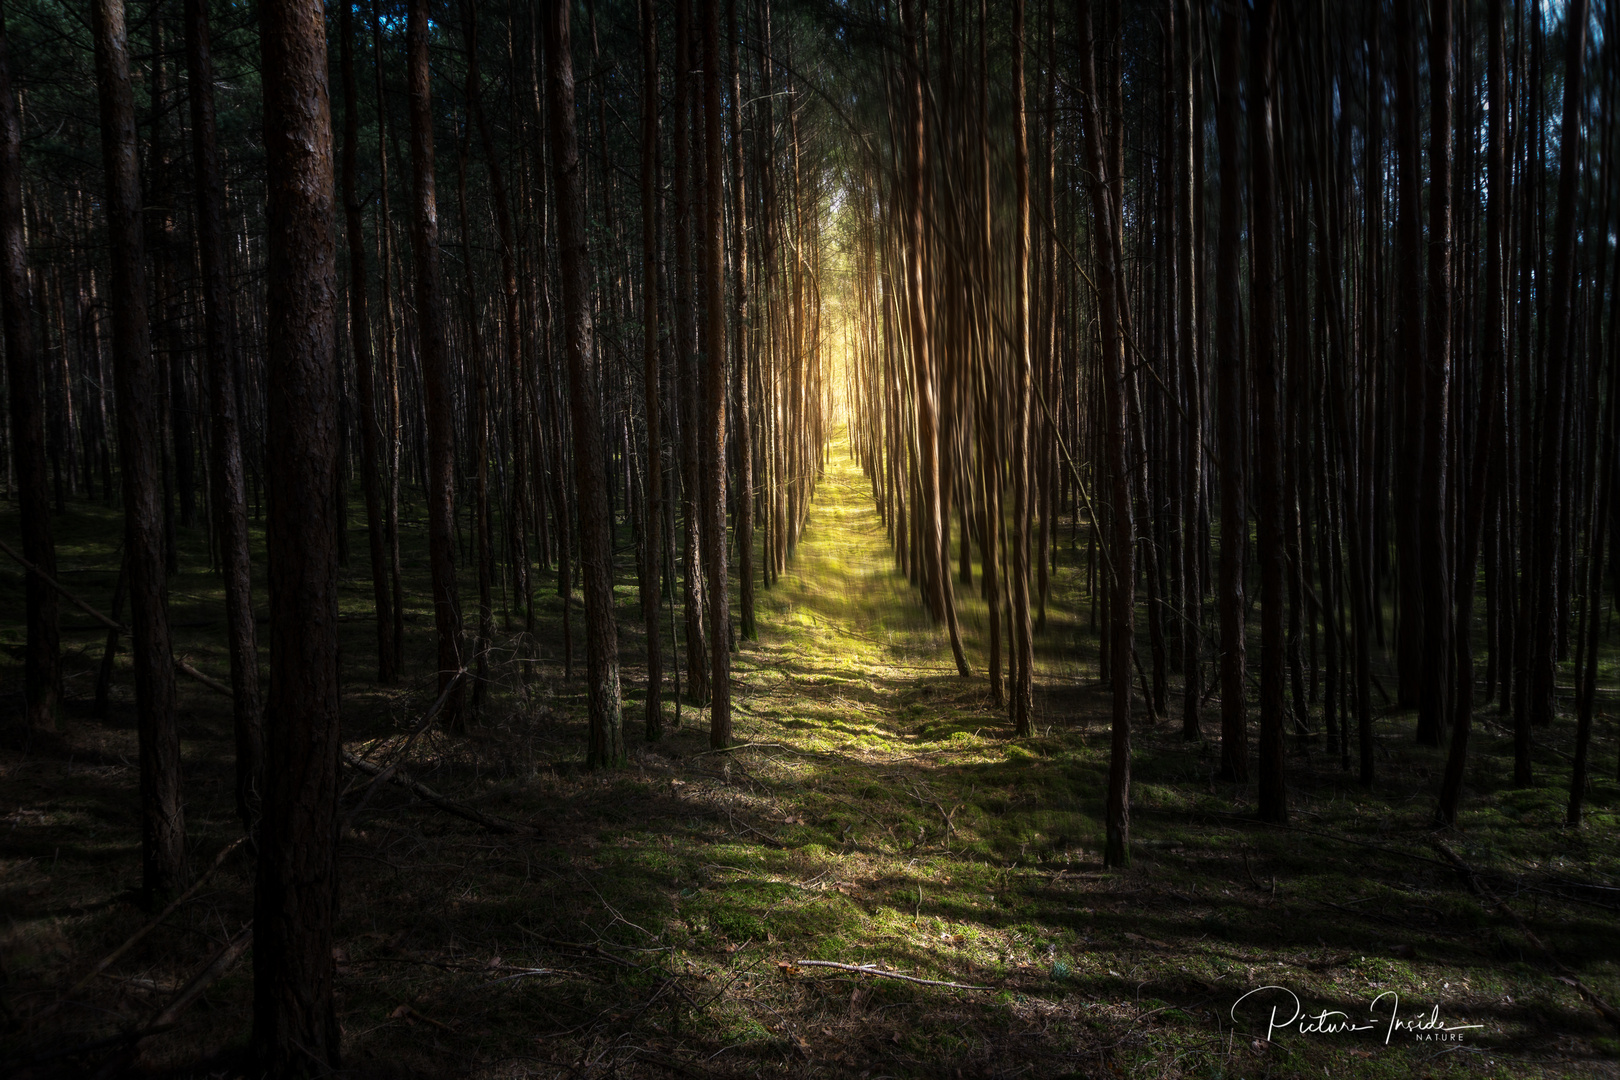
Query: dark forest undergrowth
[[654, 921]]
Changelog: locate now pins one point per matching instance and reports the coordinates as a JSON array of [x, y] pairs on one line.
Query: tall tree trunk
[[1491, 408], [1234, 452], [1121, 546], [1410, 421], [1434, 713], [360, 344], [230, 497], [743, 344], [606, 749], [1268, 444], [1190, 341], [1560, 322], [652, 543], [1023, 634], [295, 1026], [697, 641], [715, 383], [42, 677], [390, 343], [139, 388], [437, 376]]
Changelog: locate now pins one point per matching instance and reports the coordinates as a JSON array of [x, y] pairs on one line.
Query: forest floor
[[664, 919]]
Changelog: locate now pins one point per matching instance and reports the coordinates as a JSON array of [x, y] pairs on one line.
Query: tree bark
[[1560, 309], [295, 1027], [42, 676], [1234, 452], [229, 486], [606, 749], [438, 388], [139, 388], [1122, 533], [652, 542], [1268, 443], [360, 344], [713, 429]]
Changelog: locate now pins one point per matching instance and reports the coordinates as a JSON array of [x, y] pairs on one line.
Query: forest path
[[846, 645]]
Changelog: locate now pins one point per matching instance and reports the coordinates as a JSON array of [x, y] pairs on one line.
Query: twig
[[1565, 974], [868, 969], [427, 794], [112, 957]]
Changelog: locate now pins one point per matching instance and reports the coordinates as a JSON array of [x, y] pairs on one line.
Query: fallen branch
[[113, 956], [222, 962], [742, 746], [110, 623], [427, 794], [1565, 975], [207, 680], [868, 969]]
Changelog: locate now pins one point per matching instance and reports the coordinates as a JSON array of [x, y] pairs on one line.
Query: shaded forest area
[[738, 537]]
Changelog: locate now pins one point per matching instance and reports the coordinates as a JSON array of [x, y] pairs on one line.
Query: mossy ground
[[880, 814]]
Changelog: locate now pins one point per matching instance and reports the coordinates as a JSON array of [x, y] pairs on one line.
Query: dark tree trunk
[[1434, 503], [295, 1027], [360, 344], [1268, 443], [606, 748], [1233, 459], [652, 542], [42, 659], [438, 388], [229, 486], [1410, 420], [1189, 340], [1121, 548], [1550, 469], [697, 640], [139, 387]]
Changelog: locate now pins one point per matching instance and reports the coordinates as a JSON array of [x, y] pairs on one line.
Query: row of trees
[[267, 358], [1309, 303], [1315, 298]]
